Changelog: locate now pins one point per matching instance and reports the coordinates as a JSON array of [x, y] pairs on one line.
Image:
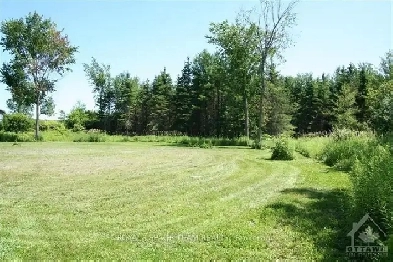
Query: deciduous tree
[[40, 54]]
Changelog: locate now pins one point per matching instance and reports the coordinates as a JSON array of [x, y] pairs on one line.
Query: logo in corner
[[365, 242]]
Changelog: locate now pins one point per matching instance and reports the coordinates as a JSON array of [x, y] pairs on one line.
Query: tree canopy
[[39, 54]]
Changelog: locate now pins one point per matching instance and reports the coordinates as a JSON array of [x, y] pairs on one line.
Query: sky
[[143, 37]]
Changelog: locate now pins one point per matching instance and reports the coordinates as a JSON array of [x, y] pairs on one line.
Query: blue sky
[[142, 37]]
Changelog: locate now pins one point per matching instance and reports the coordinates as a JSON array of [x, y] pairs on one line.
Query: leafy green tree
[[77, 118], [210, 115], [48, 106], [237, 45], [386, 65], [39, 51], [17, 123], [381, 105], [16, 107], [99, 77]]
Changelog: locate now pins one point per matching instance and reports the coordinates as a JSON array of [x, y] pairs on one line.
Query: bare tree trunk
[[37, 116], [262, 96], [246, 116]]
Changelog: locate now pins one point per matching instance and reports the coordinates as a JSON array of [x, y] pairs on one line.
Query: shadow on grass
[[324, 218]]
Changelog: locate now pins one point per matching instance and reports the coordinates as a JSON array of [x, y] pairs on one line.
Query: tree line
[[237, 90], [207, 100]]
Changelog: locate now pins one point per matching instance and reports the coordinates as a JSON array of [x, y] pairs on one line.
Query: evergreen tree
[[279, 111], [346, 111], [183, 99], [162, 92]]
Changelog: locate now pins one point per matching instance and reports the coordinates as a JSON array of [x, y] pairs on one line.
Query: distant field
[[156, 201]]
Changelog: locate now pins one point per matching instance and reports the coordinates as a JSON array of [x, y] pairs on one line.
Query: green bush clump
[[90, 138], [14, 137], [372, 179], [282, 151], [342, 153], [210, 142], [8, 137], [17, 123], [78, 127], [51, 125], [206, 144]]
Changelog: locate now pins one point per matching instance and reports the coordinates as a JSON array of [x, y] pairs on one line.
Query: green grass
[[87, 136], [156, 201], [311, 147]]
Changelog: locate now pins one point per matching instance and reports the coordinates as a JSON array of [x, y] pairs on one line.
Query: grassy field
[[159, 201]]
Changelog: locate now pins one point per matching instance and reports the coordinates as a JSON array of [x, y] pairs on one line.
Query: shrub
[[206, 144], [17, 123], [78, 127], [51, 125], [282, 151], [90, 138], [13, 137], [8, 137], [342, 153], [372, 180]]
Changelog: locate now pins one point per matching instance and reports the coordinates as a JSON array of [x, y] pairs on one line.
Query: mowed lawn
[[157, 201]]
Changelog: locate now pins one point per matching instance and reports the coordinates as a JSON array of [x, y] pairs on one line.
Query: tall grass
[[210, 142], [311, 147], [13, 137], [372, 178], [70, 136], [343, 152], [369, 162]]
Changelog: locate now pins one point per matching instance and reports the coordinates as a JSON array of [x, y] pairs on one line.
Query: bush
[[17, 123], [78, 127], [51, 125], [209, 142], [13, 137], [282, 151], [372, 181], [342, 153], [206, 144], [90, 138]]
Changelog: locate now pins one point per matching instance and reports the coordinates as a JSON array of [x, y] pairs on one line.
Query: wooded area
[[227, 93]]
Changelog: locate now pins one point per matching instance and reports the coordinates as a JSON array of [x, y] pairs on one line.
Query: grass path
[[135, 200]]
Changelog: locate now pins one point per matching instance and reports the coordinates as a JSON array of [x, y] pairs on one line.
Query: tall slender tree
[[40, 55], [99, 77], [237, 45], [274, 22]]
